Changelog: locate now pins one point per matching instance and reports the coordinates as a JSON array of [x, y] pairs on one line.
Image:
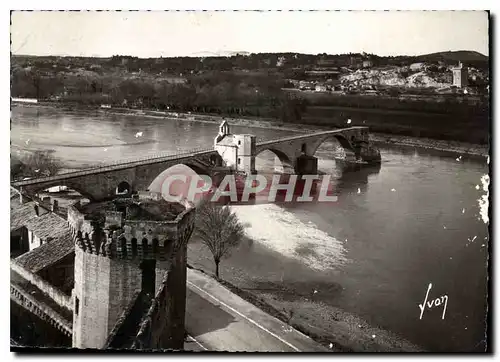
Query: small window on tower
[[239, 160], [239, 143], [77, 305]]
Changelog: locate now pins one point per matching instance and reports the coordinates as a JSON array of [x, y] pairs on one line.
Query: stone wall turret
[[122, 238], [119, 251]]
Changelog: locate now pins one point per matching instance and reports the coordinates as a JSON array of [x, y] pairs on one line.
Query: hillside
[[286, 86], [464, 56], [422, 75]]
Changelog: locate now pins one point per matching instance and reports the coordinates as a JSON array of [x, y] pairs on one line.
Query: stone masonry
[[118, 257], [240, 151], [233, 151]]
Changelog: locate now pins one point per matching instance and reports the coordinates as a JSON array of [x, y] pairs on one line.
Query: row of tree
[[244, 61], [243, 94]]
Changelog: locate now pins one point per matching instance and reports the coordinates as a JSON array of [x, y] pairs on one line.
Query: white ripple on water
[[484, 199], [283, 232]]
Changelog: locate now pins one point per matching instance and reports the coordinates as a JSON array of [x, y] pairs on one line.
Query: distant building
[[326, 62], [322, 74], [305, 85], [24, 100], [460, 75], [356, 61], [281, 62], [332, 84], [367, 63], [236, 149], [321, 88]]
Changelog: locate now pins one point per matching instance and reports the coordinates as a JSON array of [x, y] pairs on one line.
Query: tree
[[36, 79], [39, 163], [219, 229]]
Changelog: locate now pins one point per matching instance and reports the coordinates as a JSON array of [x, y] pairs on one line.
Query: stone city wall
[[59, 297]]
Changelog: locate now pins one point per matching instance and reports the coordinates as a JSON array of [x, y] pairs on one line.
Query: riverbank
[[307, 312], [378, 138]]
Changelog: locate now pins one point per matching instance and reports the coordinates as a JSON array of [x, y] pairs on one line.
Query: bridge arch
[[216, 160], [191, 173], [82, 190], [344, 140], [199, 170], [123, 188]]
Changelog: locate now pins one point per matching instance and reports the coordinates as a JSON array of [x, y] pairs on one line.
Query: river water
[[414, 220]]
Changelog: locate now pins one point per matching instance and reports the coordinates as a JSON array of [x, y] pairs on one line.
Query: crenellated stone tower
[[125, 247]]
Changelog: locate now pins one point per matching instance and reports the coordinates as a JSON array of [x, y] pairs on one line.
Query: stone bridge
[[106, 181], [354, 140]]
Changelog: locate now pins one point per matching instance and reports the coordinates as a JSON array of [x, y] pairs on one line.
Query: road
[[219, 320]]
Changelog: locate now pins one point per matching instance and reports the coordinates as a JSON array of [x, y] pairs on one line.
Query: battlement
[[142, 227], [154, 321]]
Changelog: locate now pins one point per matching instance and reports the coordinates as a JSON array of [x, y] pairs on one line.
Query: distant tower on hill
[[460, 75]]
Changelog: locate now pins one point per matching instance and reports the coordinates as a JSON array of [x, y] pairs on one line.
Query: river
[[414, 220]]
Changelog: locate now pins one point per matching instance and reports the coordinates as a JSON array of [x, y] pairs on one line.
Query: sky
[[170, 34]]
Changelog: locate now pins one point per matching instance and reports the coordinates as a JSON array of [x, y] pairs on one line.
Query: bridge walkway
[[119, 165]]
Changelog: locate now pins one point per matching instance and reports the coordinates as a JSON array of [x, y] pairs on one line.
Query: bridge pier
[[306, 165], [364, 151]]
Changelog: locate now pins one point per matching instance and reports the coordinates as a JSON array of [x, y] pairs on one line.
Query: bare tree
[[219, 229]]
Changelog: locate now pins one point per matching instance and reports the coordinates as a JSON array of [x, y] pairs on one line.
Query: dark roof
[[52, 229], [46, 254], [20, 213], [25, 215], [48, 225]]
